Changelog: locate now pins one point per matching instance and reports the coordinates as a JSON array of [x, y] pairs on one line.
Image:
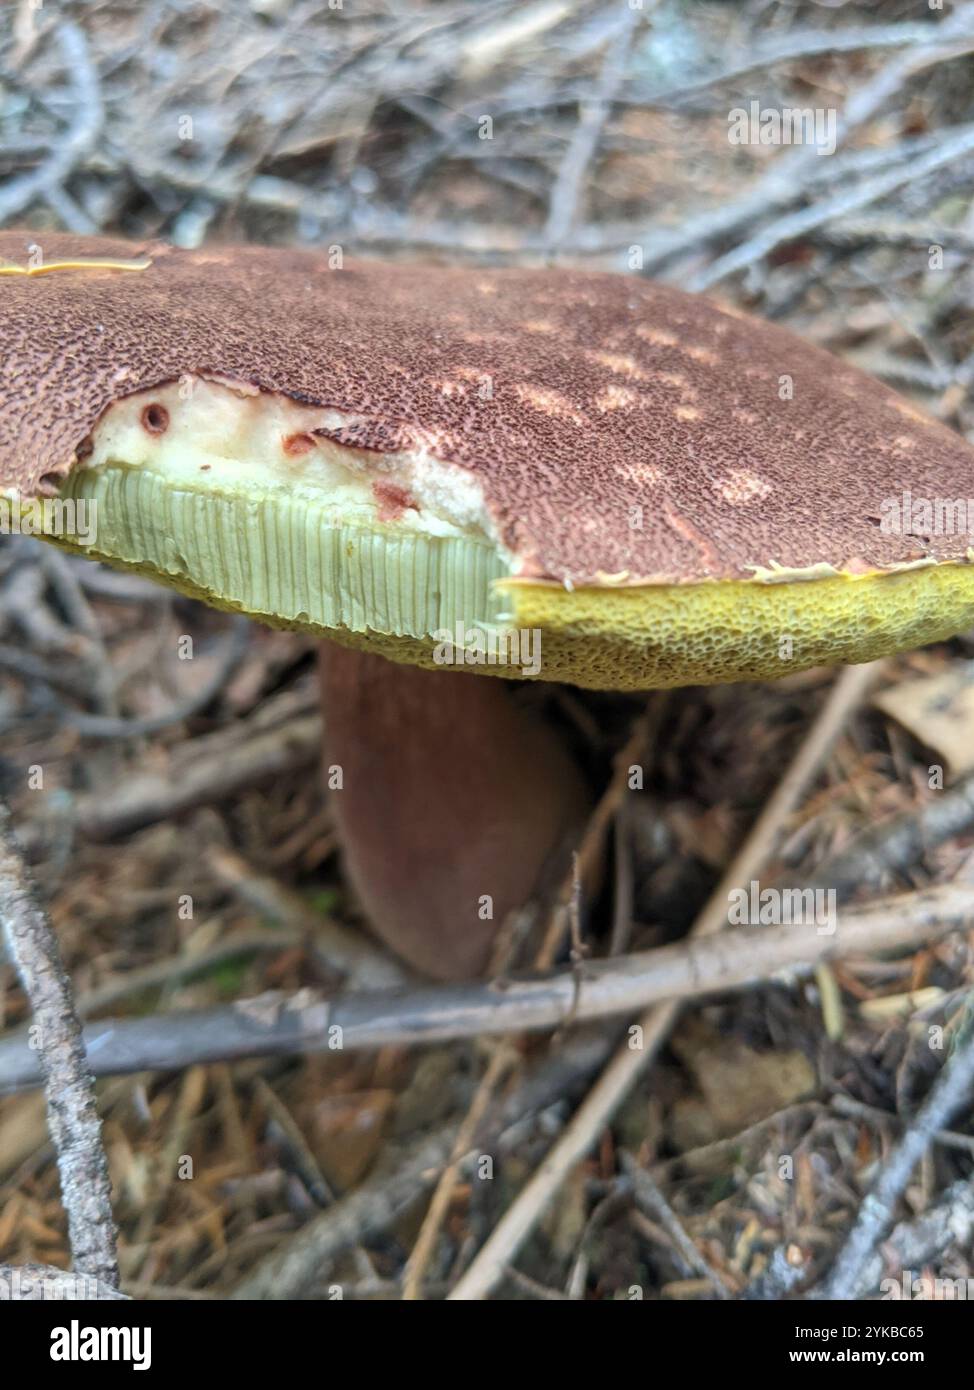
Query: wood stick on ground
[[359, 958], [395, 1188], [912, 1245], [950, 1139], [233, 649], [952, 1088], [583, 146], [72, 1113], [503, 1059], [789, 176], [895, 844], [276, 1024], [803, 43], [652, 1202], [585, 862], [207, 769], [305, 1163], [629, 1062], [374, 1205]]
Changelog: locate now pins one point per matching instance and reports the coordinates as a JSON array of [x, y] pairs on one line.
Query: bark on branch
[[60, 1053]]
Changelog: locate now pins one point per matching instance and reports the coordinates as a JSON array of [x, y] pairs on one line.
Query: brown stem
[[452, 799]]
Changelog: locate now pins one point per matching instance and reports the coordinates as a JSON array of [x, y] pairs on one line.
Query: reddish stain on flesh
[[297, 444], [393, 500]]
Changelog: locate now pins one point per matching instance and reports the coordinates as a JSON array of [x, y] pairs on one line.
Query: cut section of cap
[[582, 476]]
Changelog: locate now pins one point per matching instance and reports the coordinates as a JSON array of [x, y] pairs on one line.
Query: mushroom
[[576, 476]]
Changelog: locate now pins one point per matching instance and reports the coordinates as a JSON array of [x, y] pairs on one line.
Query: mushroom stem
[[449, 800]]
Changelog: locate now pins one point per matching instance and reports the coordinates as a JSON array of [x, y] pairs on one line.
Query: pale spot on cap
[[480, 339], [702, 354], [659, 337], [614, 398], [680, 382], [450, 388], [548, 401], [645, 474], [618, 362], [739, 486]]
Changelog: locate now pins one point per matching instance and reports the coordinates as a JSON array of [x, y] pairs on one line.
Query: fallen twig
[[233, 648], [950, 1221], [845, 1105], [203, 770], [56, 1035], [894, 845], [797, 224], [276, 1024], [584, 143], [303, 1260], [19, 193], [650, 1199], [951, 1089], [806, 43], [337, 948], [501, 1062]]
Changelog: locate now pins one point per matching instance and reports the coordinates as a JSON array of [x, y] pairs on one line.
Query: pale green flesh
[[293, 559]]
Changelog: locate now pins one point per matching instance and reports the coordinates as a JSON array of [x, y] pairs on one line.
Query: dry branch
[[303, 1260], [46, 180], [952, 1088], [203, 770], [806, 220], [652, 1203], [60, 1056], [276, 1024], [913, 1244]]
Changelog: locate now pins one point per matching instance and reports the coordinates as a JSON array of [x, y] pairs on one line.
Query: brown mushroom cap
[[623, 436]]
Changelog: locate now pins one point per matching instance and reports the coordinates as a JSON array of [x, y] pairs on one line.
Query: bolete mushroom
[[586, 477]]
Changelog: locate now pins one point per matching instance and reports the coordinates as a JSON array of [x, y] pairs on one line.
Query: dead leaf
[[939, 712], [738, 1085], [347, 1133]]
